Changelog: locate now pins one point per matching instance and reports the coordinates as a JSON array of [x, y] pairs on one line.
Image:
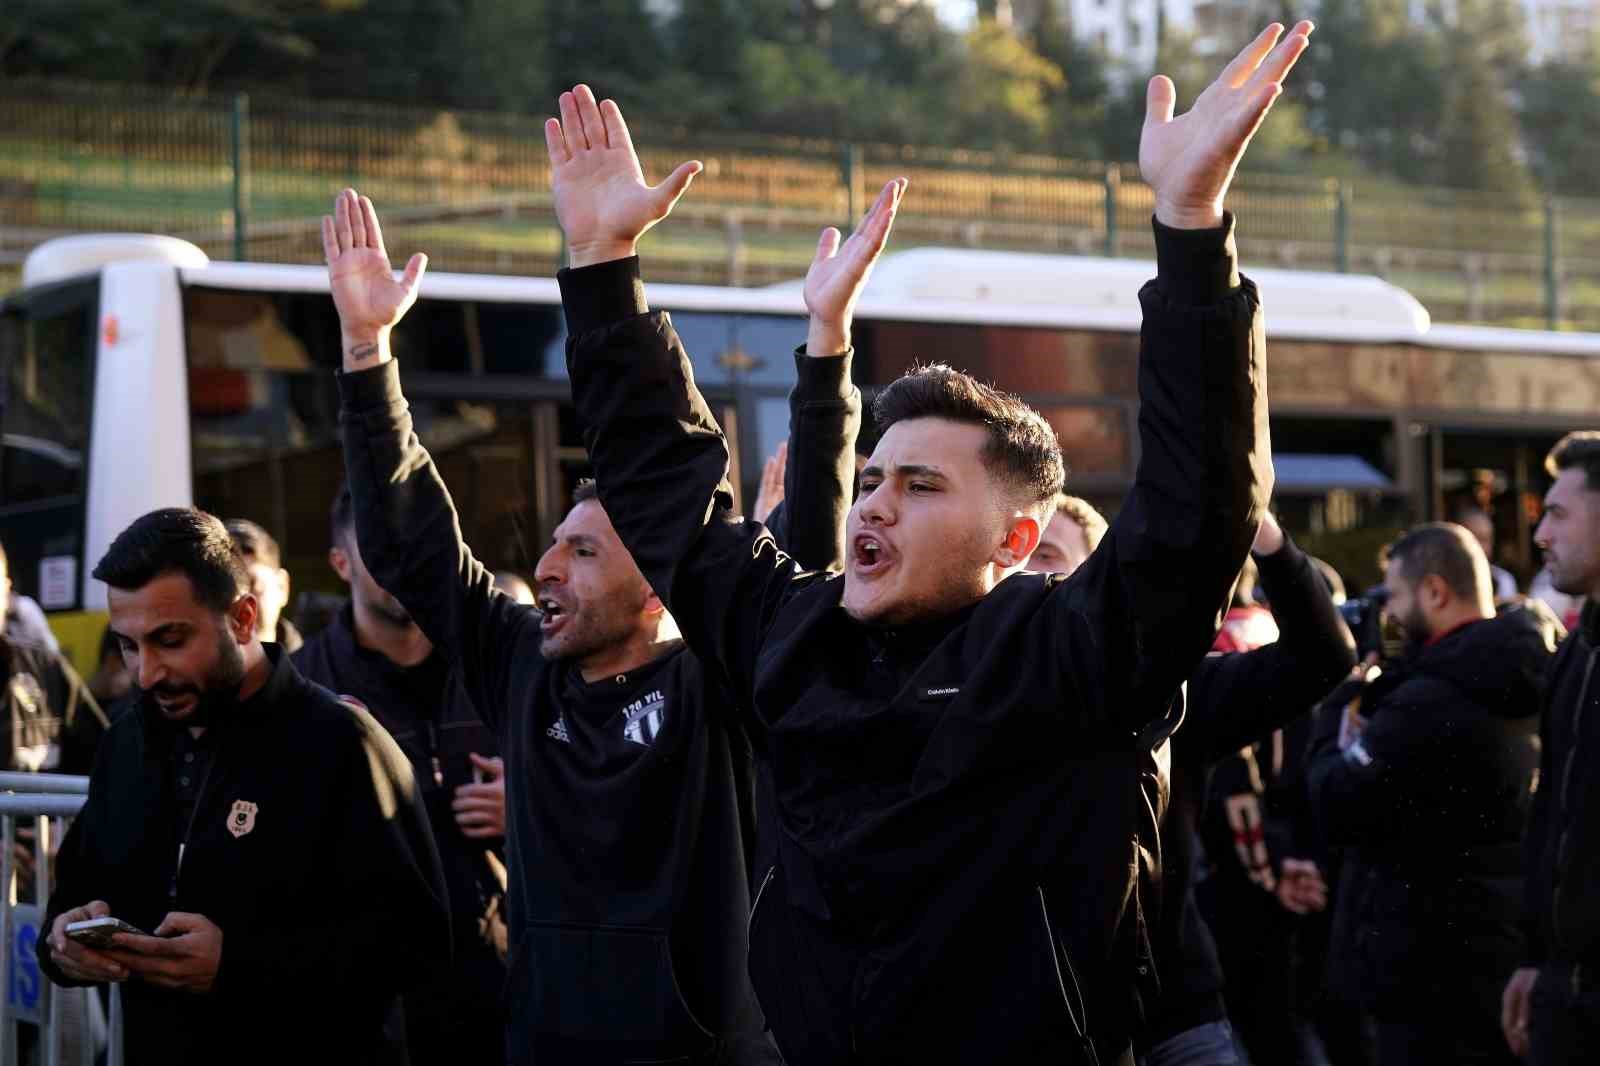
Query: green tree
[[1000, 91], [1560, 123]]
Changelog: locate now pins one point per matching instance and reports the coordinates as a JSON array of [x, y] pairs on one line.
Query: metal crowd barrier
[[48, 799]]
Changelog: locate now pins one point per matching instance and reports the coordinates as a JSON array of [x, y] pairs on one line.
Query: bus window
[[47, 346]]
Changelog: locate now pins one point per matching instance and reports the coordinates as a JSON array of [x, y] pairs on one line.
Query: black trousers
[[1564, 1023]]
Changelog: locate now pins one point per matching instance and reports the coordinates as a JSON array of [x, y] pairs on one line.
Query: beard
[[588, 631], [217, 693], [1415, 629]]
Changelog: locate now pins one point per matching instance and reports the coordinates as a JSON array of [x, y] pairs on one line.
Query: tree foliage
[[1441, 98]]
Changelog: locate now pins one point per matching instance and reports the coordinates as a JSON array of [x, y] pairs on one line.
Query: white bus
[[135, 373]]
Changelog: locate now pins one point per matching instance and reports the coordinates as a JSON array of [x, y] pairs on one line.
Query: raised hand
[[369, 298], [840, 272], [602, 201], [1189, 161], [771, 493]]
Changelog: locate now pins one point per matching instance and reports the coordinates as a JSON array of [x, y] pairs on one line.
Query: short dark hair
[[1022, 448], [253, 542], [1577, 450], [584, 491], [1448, 550], [182, 540], [342, 515]]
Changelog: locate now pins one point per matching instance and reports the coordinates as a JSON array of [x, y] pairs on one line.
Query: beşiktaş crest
[[642, 718], [242, 818]]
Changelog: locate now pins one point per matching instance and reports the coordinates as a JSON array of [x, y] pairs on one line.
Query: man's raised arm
[[1155, 589], [660, 461], [406, 524]]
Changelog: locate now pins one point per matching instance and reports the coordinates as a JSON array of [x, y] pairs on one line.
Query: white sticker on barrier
[[24, 981]]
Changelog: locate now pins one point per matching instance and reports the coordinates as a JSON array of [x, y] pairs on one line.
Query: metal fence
[[70, 1028], [248, 179]]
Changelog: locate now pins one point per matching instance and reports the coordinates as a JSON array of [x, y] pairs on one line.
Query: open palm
[[1190, 160], [601, 199], [369, 298], [840, 271]]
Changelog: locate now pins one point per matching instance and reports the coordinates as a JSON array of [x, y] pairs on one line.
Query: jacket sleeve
[[819, 481], [1365, 790], [661, 468], [387, 922], [1145, 607], [410, 539], [1535, 841], [1242, 698], [73, 864]]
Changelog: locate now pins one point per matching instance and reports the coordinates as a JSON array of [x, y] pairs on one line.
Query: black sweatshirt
[[955, 806], [1235, 700], [630, 800], [427, 712], [310, 849]]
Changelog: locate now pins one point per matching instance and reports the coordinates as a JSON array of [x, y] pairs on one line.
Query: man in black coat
[[374, 652], [1424, 774], [268, 838], [631, 786], [952, 762], [1551, 1008]]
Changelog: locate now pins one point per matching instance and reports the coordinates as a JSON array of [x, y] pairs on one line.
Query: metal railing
[[48, 800], [249, 179]]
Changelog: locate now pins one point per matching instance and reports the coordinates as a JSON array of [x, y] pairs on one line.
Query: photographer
[[1424, 773]]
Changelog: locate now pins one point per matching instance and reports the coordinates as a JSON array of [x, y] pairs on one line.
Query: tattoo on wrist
[[364, 350]]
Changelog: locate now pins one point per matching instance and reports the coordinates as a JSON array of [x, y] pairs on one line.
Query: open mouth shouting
[[555, 615], [869, 555]]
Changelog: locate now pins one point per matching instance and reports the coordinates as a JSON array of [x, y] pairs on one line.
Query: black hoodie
[[1430, 804], [630, 800]]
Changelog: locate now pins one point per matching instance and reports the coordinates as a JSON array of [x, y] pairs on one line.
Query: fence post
[[1341, 226], [239, 129], [1112, 182], [851, 172], [1552, 278]]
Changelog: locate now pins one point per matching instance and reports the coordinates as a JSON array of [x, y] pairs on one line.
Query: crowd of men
[[929, 763]]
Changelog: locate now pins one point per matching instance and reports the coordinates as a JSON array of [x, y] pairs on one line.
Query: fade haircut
[[1022, 449], [1580, 450], [1082, 512], [1451, 552], [254, 543], [182, 540], [342, 516]]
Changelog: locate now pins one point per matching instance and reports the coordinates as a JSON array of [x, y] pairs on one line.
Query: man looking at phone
[[268, 836], [374, 651]]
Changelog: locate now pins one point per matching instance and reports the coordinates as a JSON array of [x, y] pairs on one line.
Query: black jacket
[[1563, 843], [954, 805], [50, 719], [1235, 700], [1430, 805], [630, 800], [329, 903], [427, 712]]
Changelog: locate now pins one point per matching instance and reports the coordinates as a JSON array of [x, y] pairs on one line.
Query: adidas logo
[[558, 731]]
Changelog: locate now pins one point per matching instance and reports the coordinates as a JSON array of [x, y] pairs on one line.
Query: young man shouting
[[953, 761]]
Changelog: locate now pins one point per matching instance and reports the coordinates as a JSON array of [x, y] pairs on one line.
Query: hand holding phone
[[76, 960], [97, 932]]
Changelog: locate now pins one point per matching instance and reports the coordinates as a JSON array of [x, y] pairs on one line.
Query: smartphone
[[97, 932]]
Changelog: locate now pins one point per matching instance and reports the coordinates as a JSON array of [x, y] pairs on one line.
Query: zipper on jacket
[[433, 755], [750, 924], [1057, 957]]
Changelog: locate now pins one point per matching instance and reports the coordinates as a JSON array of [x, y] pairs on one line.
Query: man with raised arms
[[951, 794], [630, 803]]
